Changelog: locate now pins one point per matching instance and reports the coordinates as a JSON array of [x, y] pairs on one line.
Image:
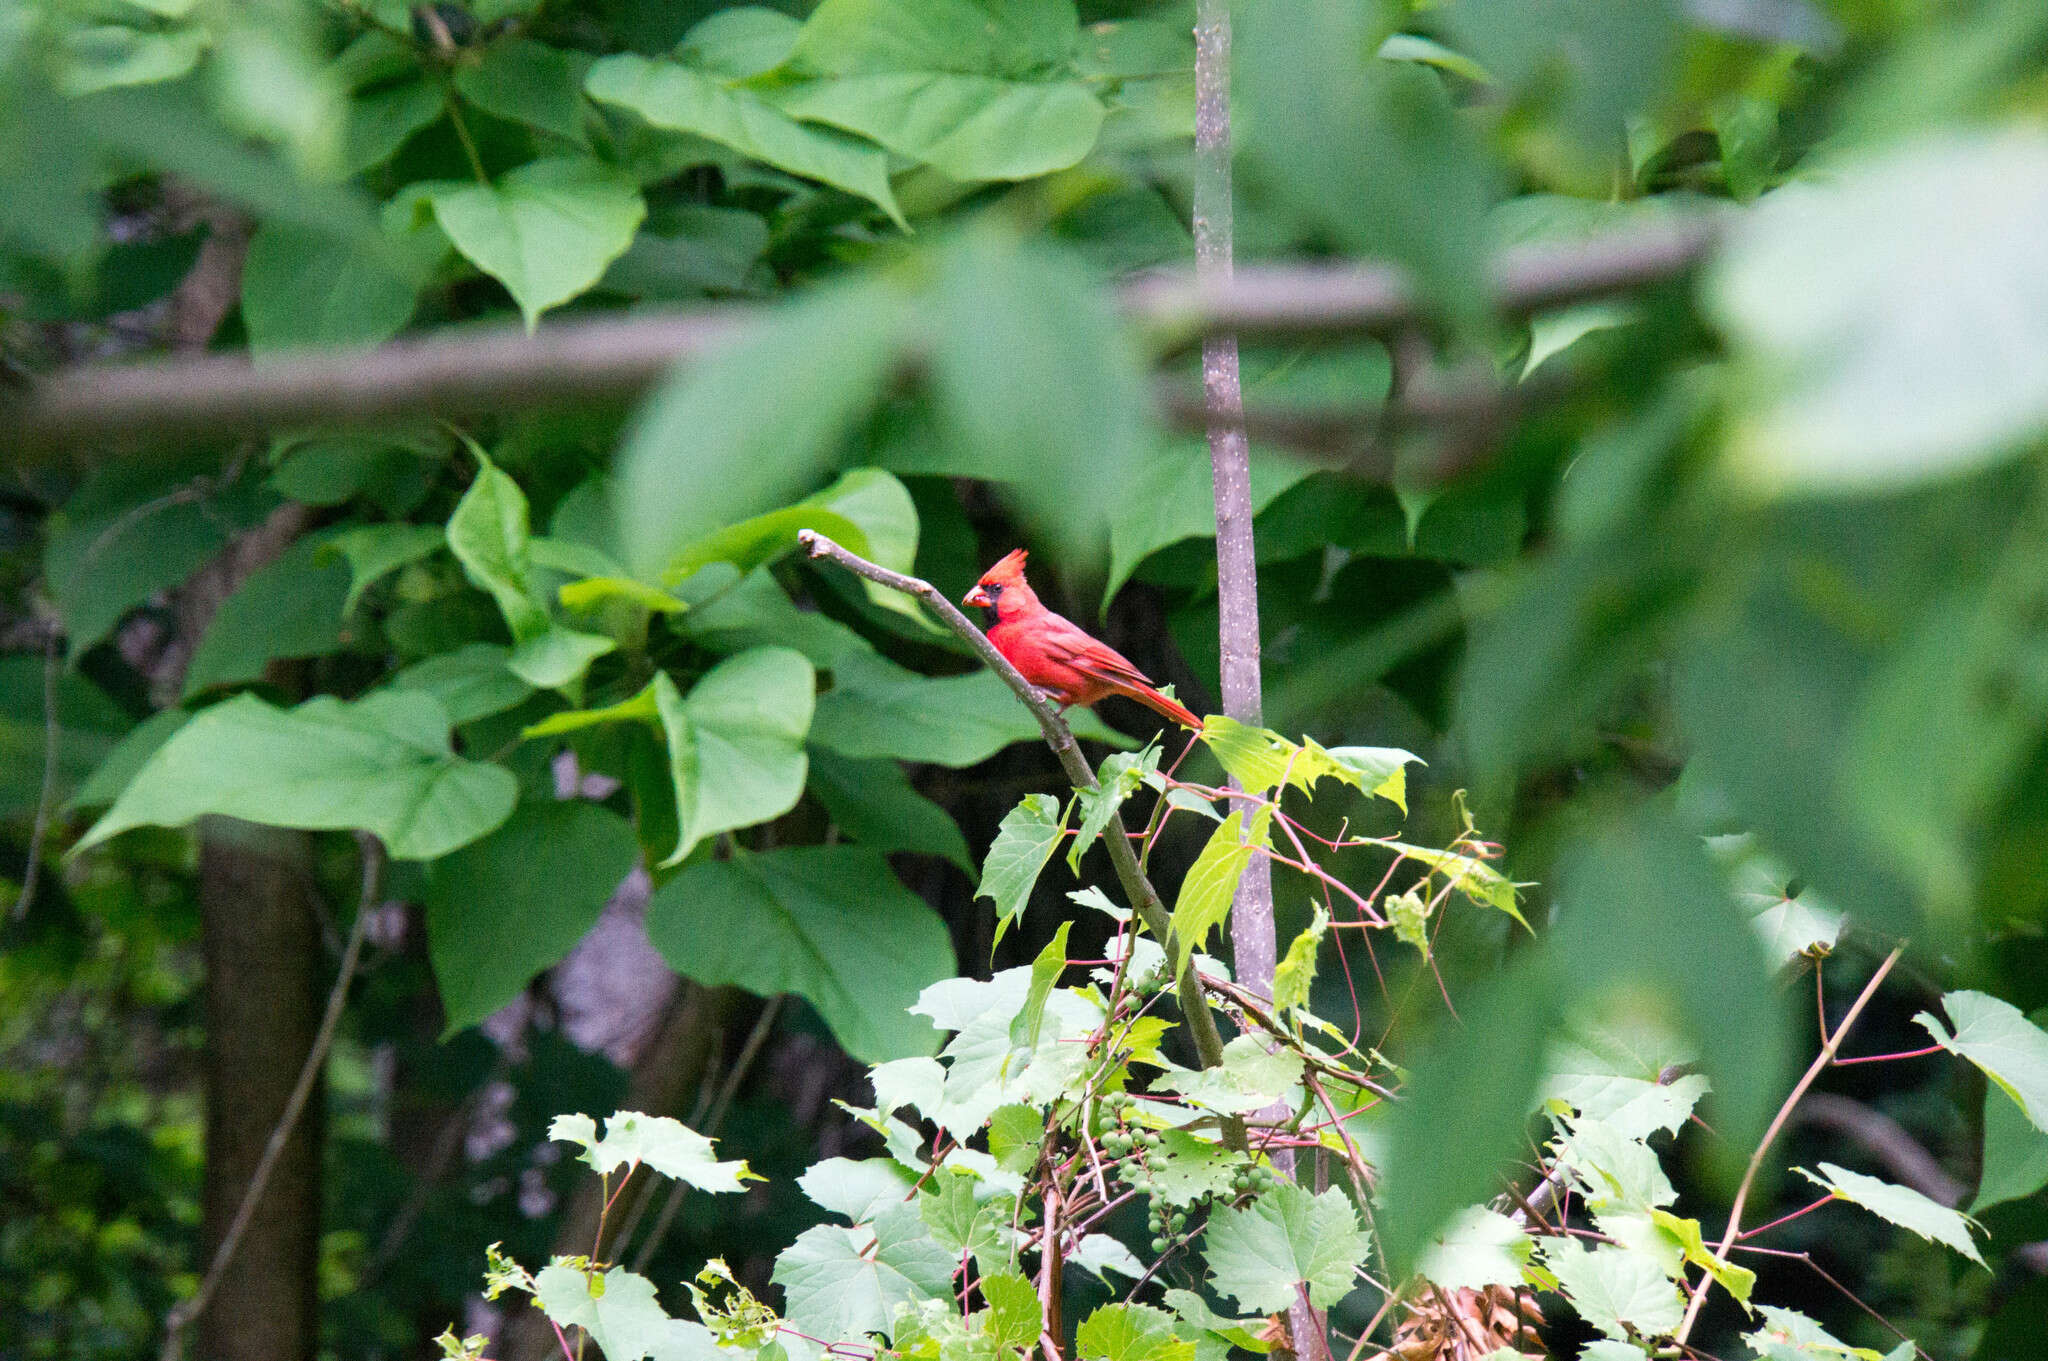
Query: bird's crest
[[1008, 571]]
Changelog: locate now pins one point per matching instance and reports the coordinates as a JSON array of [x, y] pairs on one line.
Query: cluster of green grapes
[[1169, 1224]]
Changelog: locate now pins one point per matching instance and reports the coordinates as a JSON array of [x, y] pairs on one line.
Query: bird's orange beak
[[977, 597]]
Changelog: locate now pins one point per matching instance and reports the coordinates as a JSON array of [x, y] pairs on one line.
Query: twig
[[1829, 1044], [1144, 899], [48, 794], [764, 1026], [580, 361], [181, 1316]]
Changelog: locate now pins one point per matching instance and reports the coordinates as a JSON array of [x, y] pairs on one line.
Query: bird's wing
[[1089, 655]]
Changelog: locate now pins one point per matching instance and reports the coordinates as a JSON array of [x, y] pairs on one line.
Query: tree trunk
[[265, 986]]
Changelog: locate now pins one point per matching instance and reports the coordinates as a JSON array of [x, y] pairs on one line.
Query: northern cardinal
[[1053, 653]]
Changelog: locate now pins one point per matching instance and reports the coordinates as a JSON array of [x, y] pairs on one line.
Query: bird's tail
[[1152, 699]]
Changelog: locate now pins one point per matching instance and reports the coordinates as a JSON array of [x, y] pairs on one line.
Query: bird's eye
[[994, 592]]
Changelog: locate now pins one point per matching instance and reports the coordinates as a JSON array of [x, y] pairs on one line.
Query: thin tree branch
[[764, 1026], [46, 796], [1138, 890], [482, 370], [181, 1316], [1829, 1045]]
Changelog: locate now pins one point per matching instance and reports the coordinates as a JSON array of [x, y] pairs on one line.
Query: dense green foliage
[[1722, 598]]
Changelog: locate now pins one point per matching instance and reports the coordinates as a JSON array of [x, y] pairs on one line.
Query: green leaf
[[528, 82], [1211, 882], [1131, 1332], [1024, 842], [1257, 758], [1015, 1318], [876, 708], [1185, 1169], [1194, 1311], [668, 1146], [383, 120], [736, 745], [1645, 912], [1471, 876], [471, 682], [502, 909], [830, 924], [740, 43], [382, 764], [593, 593], [1035, 379], [1250, 1077], [1615, 1289], [1463, 1116], [1411, 47], [1118, 778], [1479, 1248], [842, 1284], [1258, 1254], [976, 88], [866, 511], [288, 608], [858, 1190], [1738, 1281], [1369, 152], [1171, 498], [87, 725], [132, 529], [1099, 1254], [1901, 1205], [557, 657], [1296, 972], [672, 96], [1380, 771], [874, 803], [1791, 920], [375, 551], [302, 288], [545, 230], [79, 745], [1631, 1106], [1045, 972], [1788, 1335], [1861, 309], [1994, 1035], [2015, 1163], [488, 533], [1591, 63], [617, 1309], [721, 440]]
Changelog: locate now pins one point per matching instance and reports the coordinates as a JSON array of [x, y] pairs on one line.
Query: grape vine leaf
[[1901, 1205], [1289, 1235], [667, 1145]]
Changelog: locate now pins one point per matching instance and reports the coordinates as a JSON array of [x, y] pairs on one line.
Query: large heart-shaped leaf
[[828, 923], [382, 763], [547, 872], [545, 230], [300, 287], [735, 743]]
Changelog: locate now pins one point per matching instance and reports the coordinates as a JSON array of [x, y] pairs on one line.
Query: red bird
[[1053, 653]]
